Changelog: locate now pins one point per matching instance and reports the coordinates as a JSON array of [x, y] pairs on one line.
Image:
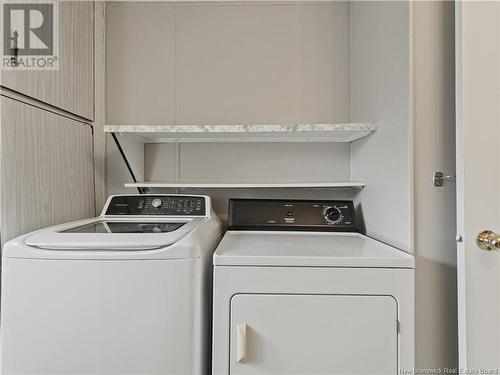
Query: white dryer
[[298, 291], [127, 292]]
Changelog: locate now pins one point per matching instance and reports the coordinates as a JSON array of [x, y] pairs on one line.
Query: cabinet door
[[71, 87], [46, 169], [313, 334]]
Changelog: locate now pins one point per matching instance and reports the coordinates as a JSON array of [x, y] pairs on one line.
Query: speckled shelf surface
[[239, 128], [342, 132]]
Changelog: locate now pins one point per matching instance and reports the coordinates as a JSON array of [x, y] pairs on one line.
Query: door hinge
[[439, 179], [398, 326]]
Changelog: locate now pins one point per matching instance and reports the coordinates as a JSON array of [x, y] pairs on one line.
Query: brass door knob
[[487, 240]]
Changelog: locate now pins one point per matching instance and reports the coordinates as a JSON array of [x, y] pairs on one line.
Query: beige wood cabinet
[[71, 87], [47, 171]]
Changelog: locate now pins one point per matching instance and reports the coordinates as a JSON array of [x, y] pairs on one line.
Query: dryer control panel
[[167, 205], [300, 215]]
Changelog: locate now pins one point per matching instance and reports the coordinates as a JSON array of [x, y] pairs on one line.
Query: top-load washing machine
[[127, 292], [298, 291]]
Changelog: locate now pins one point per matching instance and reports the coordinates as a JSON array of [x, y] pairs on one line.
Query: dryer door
[[313, 334]]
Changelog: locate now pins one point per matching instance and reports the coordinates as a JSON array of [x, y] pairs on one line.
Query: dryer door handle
[[241, 343]]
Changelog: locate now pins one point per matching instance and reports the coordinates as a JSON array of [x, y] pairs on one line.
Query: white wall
[[270, 63], [247, 162], [435, 208], [250, 162], [380, 92], [252, 63], [226, 63]]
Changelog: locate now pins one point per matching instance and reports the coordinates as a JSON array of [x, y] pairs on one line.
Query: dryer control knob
[[333, 215], [156, 203]]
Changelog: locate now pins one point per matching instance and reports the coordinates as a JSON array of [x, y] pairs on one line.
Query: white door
[[313, 334], [478, 181]]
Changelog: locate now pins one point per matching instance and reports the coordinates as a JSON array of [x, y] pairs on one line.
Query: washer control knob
[[156, 203], [333, 215]]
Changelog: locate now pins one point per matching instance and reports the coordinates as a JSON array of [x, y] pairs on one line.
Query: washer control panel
[[167, 205], [301, 215]]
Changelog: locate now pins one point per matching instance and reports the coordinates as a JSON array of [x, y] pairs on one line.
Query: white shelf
[[243, 185], [345, 132]]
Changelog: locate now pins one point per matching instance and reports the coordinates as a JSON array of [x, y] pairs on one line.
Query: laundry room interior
[[298, 63], [267, 103], [280, 65]]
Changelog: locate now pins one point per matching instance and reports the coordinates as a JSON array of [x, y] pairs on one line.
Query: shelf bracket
[[141, 190]]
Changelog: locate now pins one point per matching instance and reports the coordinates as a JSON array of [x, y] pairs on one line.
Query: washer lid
[[307, 249], [113, 234]]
